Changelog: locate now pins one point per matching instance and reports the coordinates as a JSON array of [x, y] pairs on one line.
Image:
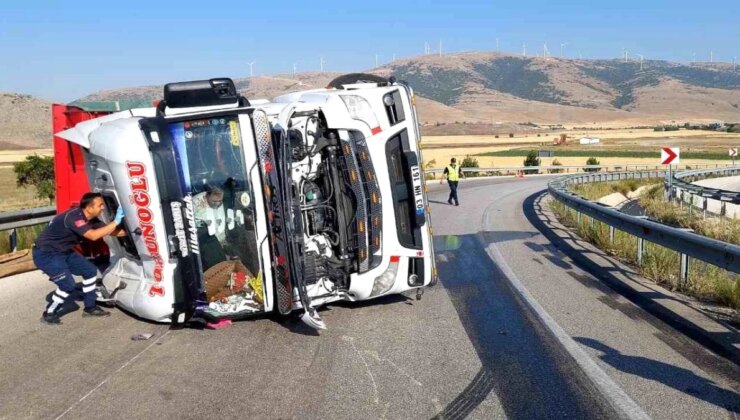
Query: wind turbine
[[524, 49], [545, 52], [426, 48], [497, 46], [251, 73], [376, 60], [711, 56], [641, 58], [626, 54], [295, 69], [562, 49], [321, 63], [440, 48], [734, 63], [394, 58]]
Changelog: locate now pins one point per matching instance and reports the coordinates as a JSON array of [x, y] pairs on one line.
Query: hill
[[480, 92], [25, 122], [556, 90]]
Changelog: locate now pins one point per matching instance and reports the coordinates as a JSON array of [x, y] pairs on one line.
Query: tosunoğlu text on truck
[[235, 208]]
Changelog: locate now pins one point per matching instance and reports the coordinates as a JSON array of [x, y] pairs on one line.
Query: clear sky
[[62, 50]]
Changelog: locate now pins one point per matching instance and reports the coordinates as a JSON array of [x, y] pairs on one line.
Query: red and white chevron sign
[[670, 156], [733, 151]]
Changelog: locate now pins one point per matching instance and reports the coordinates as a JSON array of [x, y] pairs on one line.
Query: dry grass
[[596, 190], [26, 237], [659, 264], [16, 198]]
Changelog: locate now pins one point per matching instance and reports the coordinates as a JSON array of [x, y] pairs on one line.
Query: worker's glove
[[119, 215]]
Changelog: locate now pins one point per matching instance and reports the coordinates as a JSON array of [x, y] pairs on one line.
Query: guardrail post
[[723, 209], [578, 217], [704, 207], [13, 240], [611, 234], [684, 274], [640, 250]]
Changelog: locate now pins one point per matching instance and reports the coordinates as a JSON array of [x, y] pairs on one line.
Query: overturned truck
[[235, 209]]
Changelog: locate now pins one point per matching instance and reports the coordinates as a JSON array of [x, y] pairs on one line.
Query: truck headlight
[[385, 281], [360, 109]]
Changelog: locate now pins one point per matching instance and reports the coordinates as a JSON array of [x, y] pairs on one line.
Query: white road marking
[[620, 401], [111, 375]]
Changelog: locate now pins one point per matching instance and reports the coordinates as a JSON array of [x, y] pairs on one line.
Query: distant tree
[[37, 171], [532, 160], [592, 161], [556, 162]]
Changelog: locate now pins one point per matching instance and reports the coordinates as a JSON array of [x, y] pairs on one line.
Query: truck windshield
[[210, 155]]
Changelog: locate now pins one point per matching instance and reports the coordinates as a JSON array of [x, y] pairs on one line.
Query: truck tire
[[352, 78]]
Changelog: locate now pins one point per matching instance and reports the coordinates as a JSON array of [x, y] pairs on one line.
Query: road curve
[[469, 348]]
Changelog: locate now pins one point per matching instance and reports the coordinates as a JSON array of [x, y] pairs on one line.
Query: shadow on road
[[520, 362], [611, 274], [675, 377]]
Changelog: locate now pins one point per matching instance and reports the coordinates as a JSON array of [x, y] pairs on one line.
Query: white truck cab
[[236, 209]]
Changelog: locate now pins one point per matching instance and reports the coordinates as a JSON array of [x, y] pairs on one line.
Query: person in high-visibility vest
[[452, 173]]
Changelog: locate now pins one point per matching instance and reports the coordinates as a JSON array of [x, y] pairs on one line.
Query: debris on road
[[223, 323], [141, 337]]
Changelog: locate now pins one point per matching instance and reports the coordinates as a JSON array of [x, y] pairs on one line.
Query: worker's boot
[[50, 319], [95, 311]]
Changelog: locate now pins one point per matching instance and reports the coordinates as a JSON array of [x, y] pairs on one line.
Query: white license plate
[[418, 193]]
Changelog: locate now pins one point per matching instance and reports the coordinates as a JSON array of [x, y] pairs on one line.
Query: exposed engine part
[[310, 274], [298, 149]]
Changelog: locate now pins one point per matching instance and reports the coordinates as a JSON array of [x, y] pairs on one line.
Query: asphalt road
[[469, 348]]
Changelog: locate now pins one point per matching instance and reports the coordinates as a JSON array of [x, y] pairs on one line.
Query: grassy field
[[622, 154], [617, 146], [13, 197]]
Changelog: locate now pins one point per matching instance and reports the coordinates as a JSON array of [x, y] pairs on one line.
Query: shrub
[[592, 161], [470, 162], [555, 162]]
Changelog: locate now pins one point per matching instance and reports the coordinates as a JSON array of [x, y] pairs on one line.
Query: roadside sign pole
[[670, 156]]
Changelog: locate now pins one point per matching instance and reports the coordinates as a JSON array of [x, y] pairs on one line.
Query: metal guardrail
[[13, 220], [682, 181], [685, 242]]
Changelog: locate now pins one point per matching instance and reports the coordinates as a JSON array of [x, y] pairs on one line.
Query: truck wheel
[[352, 78]]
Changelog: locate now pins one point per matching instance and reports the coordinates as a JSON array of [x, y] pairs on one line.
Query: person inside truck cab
[[53, 253], [210, 219]]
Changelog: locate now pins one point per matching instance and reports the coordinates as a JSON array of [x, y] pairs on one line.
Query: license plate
[[418, 195]]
